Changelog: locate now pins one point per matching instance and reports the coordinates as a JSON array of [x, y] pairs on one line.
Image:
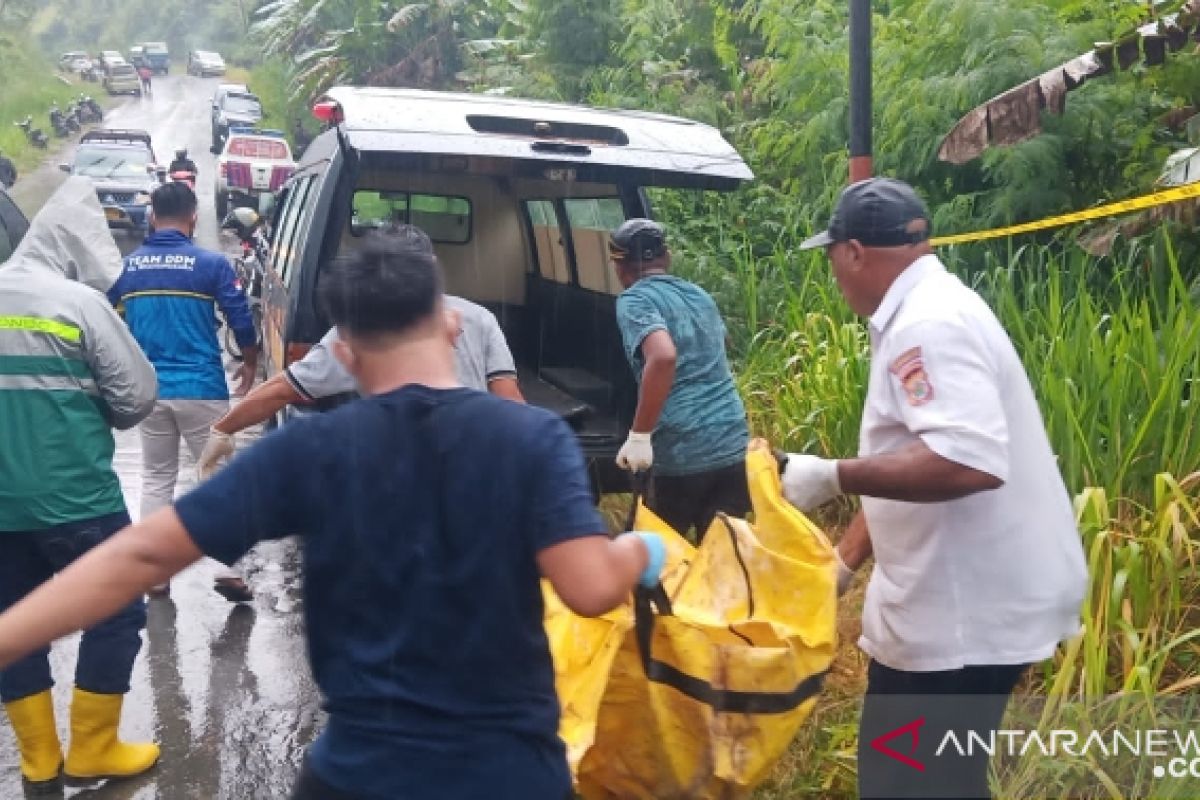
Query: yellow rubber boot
[[37, 737], [95, 750]]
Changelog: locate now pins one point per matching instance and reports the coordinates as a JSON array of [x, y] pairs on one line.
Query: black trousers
[[311, 787], [687, 501], [905, 721]]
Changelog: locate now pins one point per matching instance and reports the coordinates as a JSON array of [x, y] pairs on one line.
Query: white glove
[[809, 481], [844, 573], [220, 446], [637, 454]]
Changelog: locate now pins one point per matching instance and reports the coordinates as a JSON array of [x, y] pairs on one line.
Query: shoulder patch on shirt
[[909, 367]]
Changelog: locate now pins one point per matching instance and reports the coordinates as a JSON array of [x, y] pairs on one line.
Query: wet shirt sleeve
[[258, 496], [637, 317], [947, 391], [563, 507], [319, 374]]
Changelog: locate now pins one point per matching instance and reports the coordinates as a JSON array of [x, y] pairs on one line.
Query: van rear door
[[539, 140]]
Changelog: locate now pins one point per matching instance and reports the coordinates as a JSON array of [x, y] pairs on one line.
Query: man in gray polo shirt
[[481, 356]]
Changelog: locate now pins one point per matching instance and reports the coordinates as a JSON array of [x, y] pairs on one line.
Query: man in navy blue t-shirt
[[428, 513]]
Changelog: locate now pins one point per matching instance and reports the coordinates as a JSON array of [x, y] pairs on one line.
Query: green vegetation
[[31, 85], [117, 25], [772, 75], [1112, 344]]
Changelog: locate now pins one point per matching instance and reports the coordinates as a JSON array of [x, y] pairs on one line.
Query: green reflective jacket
[[69, 368]]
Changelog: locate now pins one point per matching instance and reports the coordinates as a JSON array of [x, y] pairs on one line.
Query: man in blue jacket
[[169, 292]]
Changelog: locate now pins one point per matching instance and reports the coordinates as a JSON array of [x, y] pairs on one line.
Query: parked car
[[122, 78], [203, 63], [226, 88], [158, 58], [254, 163], [12, 225], [109, 59], [75, 62], [234, 110], [122, 165], [519, 198]]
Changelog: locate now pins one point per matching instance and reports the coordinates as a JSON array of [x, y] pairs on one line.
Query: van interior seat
[[588, 387], [545, 395]]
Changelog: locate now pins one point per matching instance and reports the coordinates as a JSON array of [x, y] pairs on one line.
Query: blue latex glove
[[658, 558]]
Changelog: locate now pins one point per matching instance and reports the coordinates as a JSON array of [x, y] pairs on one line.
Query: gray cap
[[876, 212], [638, 239]]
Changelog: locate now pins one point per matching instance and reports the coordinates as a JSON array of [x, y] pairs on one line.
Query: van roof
[[664, 150]]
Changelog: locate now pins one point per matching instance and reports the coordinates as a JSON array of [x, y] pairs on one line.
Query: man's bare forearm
[[97, 585], [855, 545], [657, 378], [915, 474], [259, 405]]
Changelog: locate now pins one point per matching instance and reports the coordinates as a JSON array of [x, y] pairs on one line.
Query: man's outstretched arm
[[259, 405], [262, 403]]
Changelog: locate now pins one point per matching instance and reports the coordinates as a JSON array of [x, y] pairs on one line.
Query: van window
[[591, 221], [283, 248], [547, 240], [446, 219]]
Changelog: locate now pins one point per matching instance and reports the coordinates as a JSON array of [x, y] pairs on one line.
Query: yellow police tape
[[1111, 209]]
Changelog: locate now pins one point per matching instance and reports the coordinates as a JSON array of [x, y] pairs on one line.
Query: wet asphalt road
[[224, 689]]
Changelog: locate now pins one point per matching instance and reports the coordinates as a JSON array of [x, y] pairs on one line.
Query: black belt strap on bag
[[647, 603]]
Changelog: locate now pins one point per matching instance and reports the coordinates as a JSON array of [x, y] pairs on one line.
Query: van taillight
[[294, 352]]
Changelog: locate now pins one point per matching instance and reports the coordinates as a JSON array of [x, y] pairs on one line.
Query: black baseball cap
[[638, 239], [876, 212]]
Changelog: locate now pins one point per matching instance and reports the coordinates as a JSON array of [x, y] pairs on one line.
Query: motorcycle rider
[[182, 163], [8, 171]]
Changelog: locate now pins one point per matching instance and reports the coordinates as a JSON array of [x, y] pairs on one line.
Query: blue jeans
[[106, 650]]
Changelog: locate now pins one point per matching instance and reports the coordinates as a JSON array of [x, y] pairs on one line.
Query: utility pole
[[860, 90]]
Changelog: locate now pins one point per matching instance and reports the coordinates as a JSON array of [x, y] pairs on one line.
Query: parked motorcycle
[[71, 117], [248, 226], [34, 135], [89, 109], [58, 122]]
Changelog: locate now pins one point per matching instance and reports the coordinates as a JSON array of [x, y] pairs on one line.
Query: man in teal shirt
[[690, 425]]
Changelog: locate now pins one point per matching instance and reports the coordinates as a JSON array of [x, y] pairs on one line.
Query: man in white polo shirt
[[979, 569]]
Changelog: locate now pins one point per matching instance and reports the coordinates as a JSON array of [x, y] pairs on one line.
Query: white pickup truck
[[253, 162]]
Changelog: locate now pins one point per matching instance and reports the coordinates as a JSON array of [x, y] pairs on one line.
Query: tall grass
[[1112, 349], [30, 85]]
